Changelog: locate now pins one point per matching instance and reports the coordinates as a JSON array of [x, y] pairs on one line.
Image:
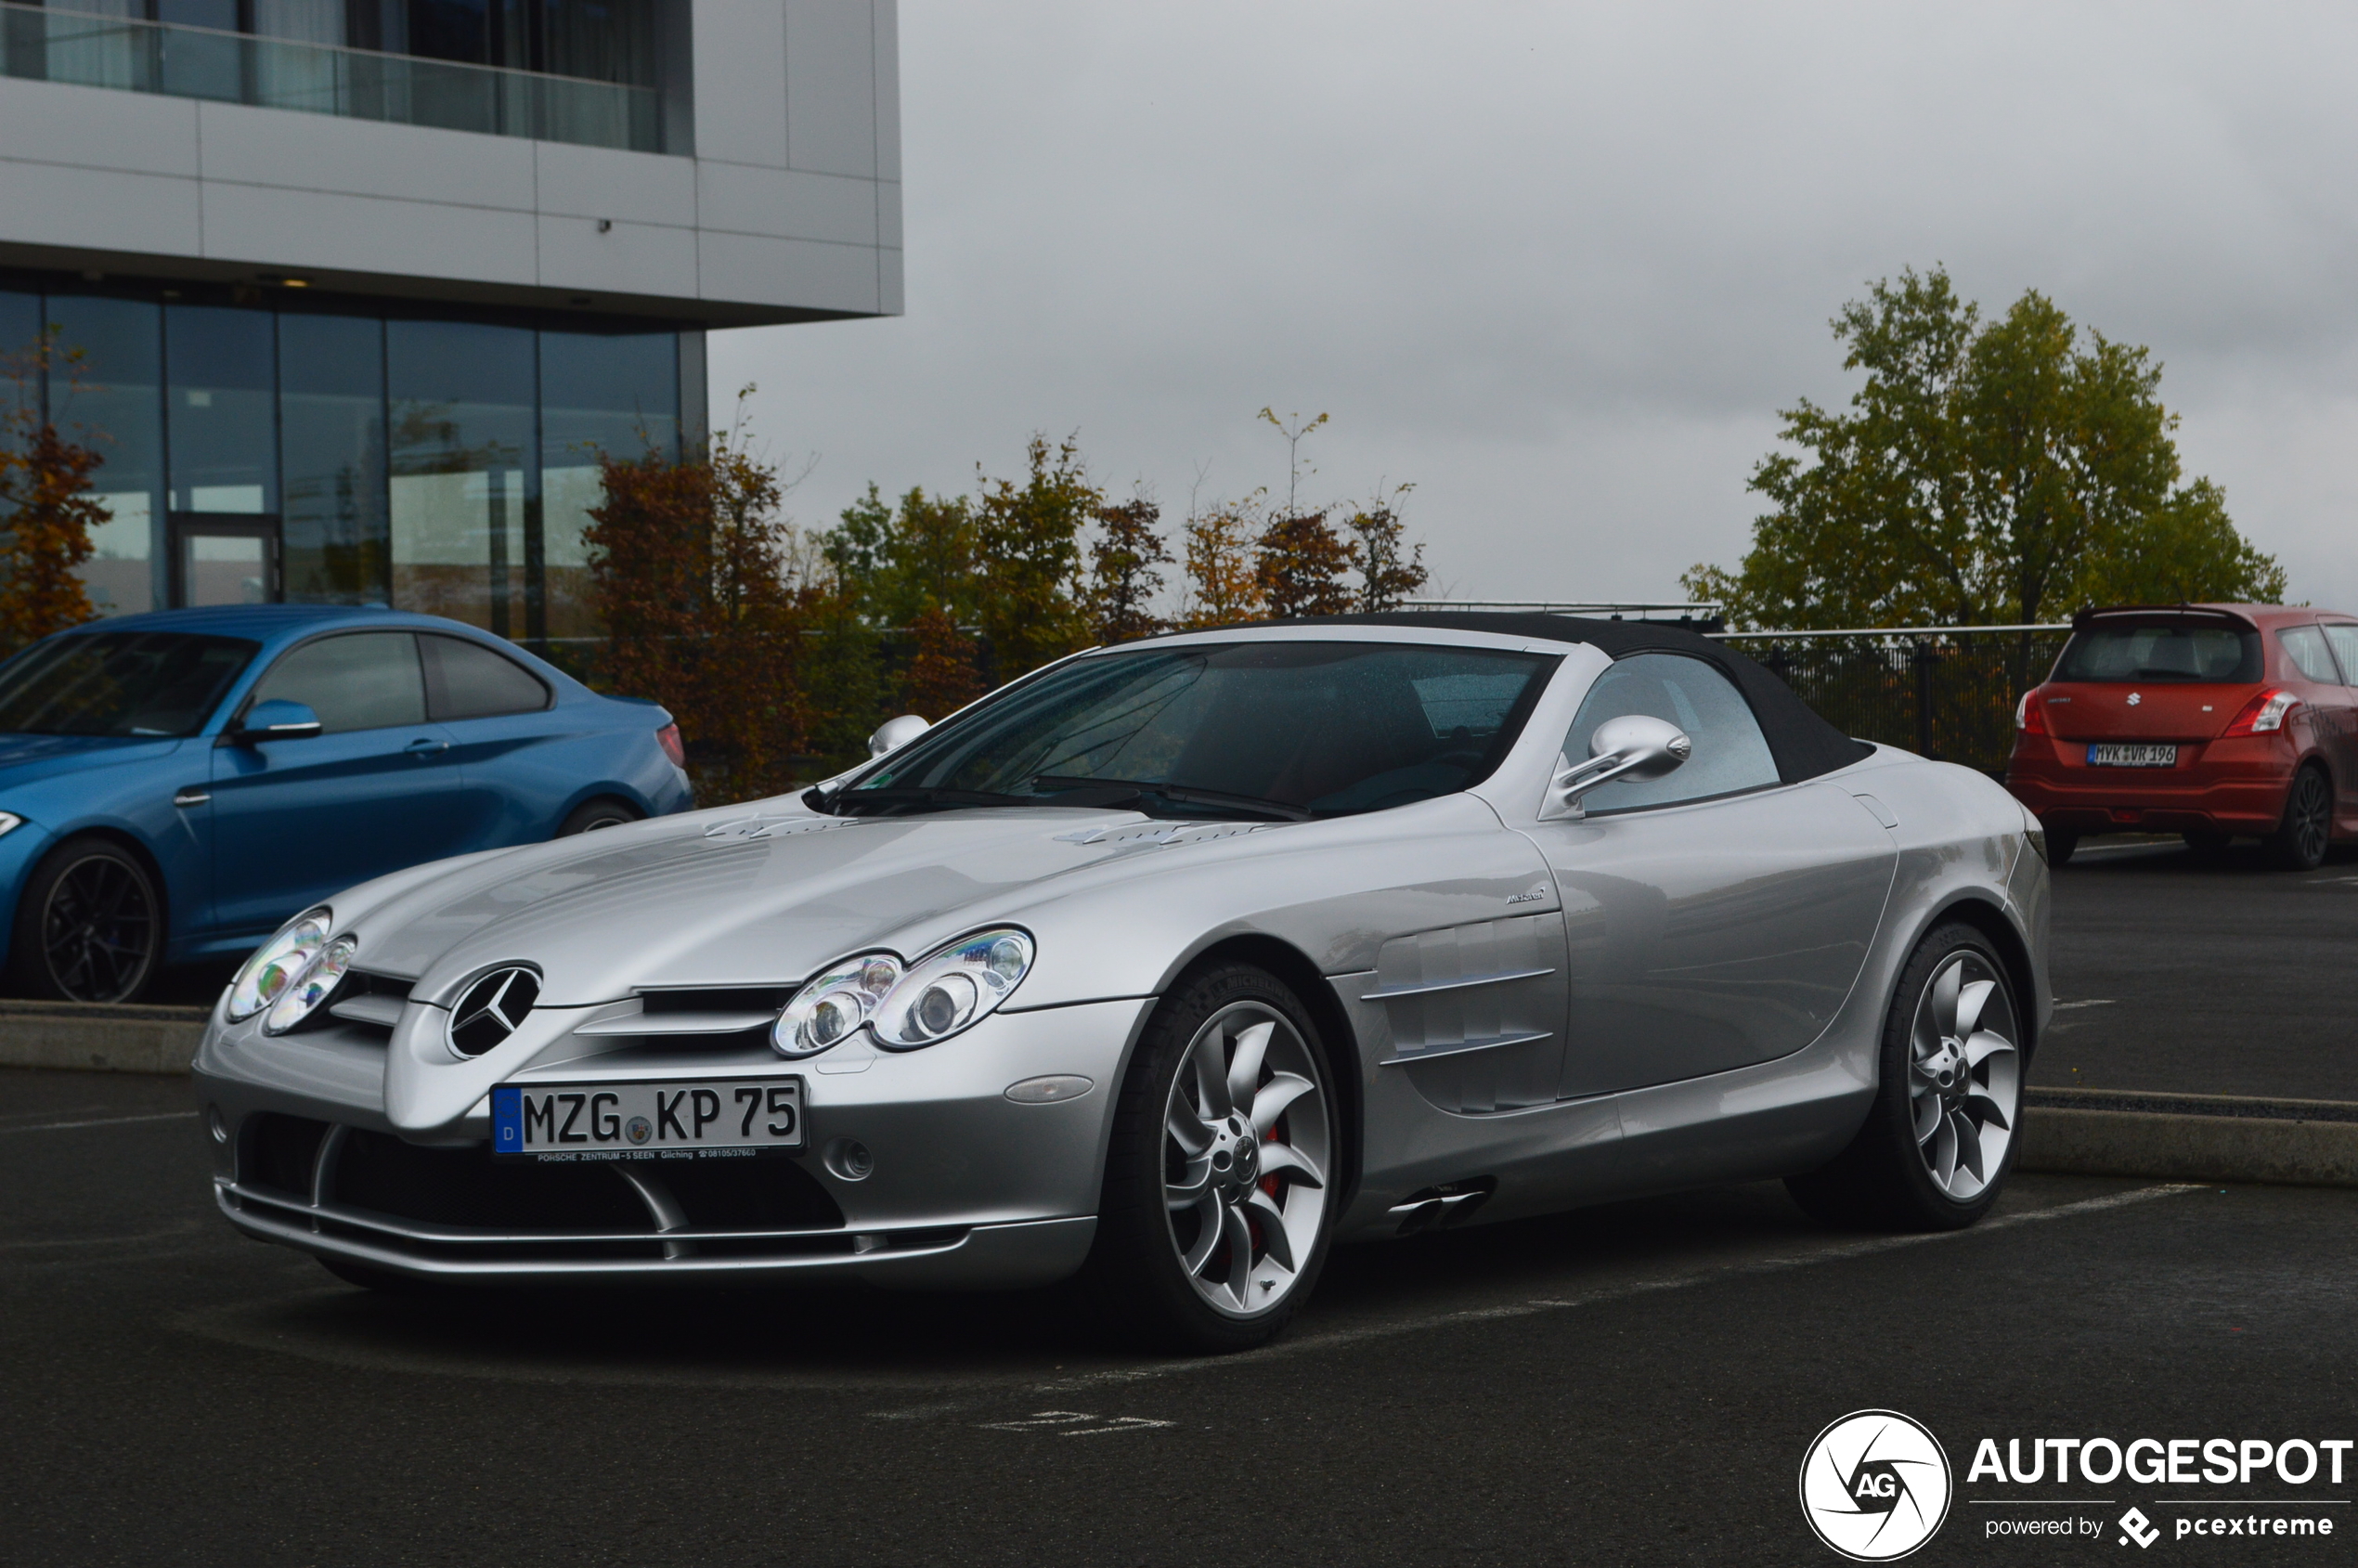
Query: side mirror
[[894, 733], [1632, 746], [276, 720]]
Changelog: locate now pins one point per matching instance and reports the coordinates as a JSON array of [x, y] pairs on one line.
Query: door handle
[[425, 745], [190, 794]]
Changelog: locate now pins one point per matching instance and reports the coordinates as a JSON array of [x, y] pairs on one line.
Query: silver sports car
[[1169, 965]]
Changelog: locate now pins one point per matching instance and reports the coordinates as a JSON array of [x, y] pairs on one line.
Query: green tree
[[1302, 563], [1125, 556], [1026, 536], [2006, 471], [1389, 568]]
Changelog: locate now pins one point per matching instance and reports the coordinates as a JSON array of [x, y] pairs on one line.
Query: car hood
[[30, 758], [725, 898]]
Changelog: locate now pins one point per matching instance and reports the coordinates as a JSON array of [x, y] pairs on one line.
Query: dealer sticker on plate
[[2132, 757], [712, 1119]]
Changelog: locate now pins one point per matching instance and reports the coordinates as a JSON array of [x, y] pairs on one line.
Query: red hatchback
[[2214, 721]]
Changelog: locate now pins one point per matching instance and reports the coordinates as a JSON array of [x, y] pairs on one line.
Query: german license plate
[[721, 1118], [2132, 757]]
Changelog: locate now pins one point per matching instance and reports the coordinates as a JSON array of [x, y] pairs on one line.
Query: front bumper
[[2234, 785], [968, 1188]]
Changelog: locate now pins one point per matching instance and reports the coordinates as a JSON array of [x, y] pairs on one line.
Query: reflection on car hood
[[27, 759], [716, 899]]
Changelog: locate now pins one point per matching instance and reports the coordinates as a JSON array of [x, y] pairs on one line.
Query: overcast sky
[[1559, 266]]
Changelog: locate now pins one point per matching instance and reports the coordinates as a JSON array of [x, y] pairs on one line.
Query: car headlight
[[311, 986], [830, 1009], [276, 963], [950, 990]]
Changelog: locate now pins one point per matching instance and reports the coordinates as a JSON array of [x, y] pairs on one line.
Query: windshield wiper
[[916, 794], [1186, 795]]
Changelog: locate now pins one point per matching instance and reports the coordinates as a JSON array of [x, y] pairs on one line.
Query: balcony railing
[[48, 43]]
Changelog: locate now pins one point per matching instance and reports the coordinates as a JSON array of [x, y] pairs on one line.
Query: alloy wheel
[[1247, 1143], [98, 930], [1964, 1076], [2309, 818]]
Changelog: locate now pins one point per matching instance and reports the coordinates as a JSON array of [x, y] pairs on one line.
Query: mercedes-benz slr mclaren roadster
[[1169, 965]]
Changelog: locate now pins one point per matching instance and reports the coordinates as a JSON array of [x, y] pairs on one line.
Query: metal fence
[[1941, 692]]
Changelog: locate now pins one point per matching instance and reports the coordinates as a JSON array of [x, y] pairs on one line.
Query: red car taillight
[[2264, 714], [668, 738], [2030, 717]]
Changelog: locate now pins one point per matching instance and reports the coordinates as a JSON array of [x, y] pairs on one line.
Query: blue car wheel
[[90, 926]]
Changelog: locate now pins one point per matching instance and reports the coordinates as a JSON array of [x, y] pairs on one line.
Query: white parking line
[[1073, 1423], [103, 1121]]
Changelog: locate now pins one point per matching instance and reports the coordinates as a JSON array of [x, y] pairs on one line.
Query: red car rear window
[[2172, 650]]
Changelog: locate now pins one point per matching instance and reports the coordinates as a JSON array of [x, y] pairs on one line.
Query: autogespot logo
[[1875, 1486]]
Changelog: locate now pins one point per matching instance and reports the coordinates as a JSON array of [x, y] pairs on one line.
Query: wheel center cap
[[1236, 1158]]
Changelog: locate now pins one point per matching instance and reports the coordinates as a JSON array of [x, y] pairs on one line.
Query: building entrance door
[[224, 559]]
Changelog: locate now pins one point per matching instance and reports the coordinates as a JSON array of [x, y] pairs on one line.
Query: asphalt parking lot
[[2199, 975], [1634, 1384]]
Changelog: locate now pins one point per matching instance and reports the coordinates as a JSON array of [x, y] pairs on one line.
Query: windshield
[[121, 683], [1272, 730], [2172, 650]]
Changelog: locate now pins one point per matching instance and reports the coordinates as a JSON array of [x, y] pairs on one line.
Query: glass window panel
[[618, 395], [107, 393], [1730, 753], [360, 680], [2345, 641], [471, 682], [332, 431], [220, 375], [2306, 645], [461, 450], [19, 361]]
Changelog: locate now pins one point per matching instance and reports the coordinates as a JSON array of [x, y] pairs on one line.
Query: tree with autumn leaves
[[778, 649], [46, 509]]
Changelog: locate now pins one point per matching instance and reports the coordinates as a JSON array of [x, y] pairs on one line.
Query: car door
[[2343, 640], [1714, 917], [512, 784], [297, 820]]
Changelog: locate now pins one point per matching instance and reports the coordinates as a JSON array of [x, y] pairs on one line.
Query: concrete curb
[[2190, 1137], [2064, 1132], [97, 1037]]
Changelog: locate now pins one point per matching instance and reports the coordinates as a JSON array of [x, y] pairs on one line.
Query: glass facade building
[[260, 447]]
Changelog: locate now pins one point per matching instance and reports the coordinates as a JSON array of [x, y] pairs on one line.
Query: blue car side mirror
[[276, 720]]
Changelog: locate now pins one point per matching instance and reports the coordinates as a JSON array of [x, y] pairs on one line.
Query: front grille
[[461, 1204], [720, 999], [277, 1152], [468, 1189]]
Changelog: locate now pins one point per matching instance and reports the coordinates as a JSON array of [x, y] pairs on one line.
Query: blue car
[[174, 786]]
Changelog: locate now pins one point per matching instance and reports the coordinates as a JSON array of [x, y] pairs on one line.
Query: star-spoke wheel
[[1964, 1075], [1247, 1145], [91, 927]]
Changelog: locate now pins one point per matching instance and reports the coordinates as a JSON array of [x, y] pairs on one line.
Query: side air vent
[[492, 1008], [706, 1011], [373, 1001]]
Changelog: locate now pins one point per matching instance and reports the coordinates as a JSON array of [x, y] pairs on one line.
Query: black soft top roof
[[1804, 745]]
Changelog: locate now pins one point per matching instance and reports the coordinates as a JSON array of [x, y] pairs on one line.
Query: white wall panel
[[796, 273], [312, 229], [98, 128], [890, 298], [597, 182], [364, 157], [631, 258], [97, 209], [739, 199], [888, 215], [889, 90], [831, 87], [741, 111]]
